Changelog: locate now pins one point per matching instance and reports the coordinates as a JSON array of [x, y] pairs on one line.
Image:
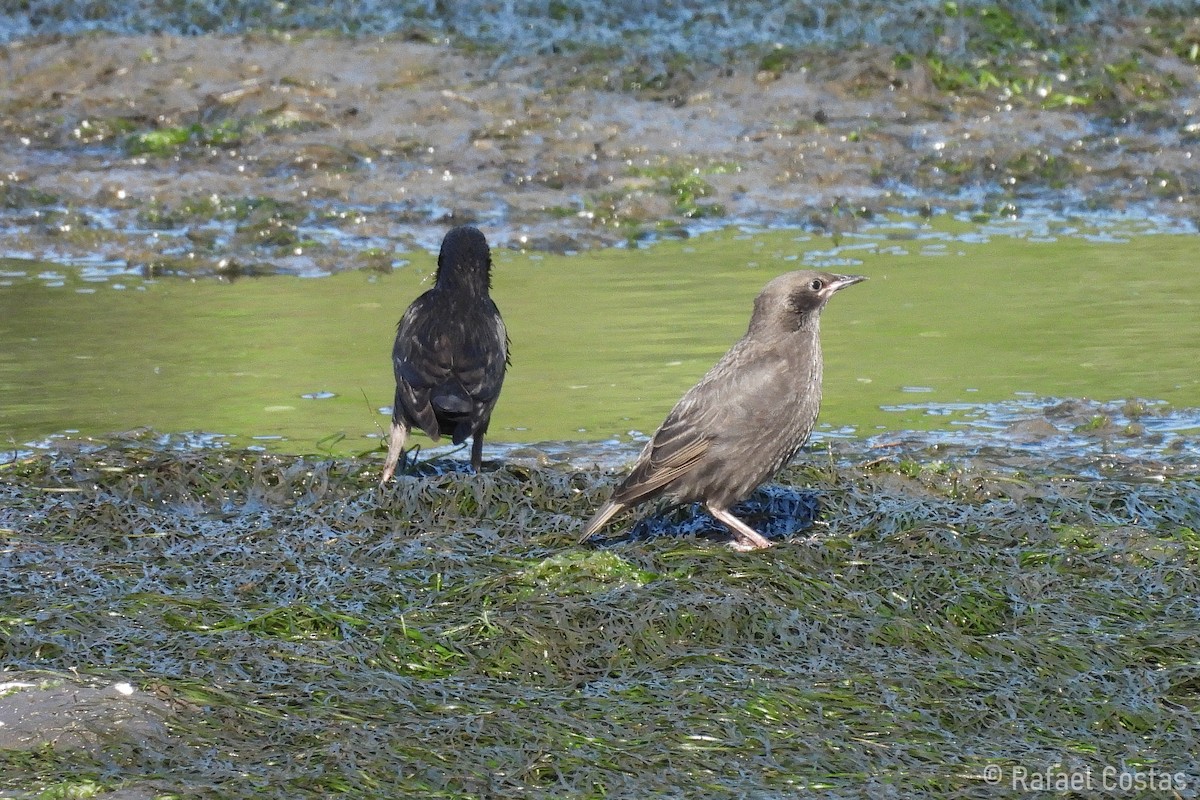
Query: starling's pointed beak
[[842, 281]]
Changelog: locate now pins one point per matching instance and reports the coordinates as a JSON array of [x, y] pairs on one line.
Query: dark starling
[[450, 353], [746, 417]]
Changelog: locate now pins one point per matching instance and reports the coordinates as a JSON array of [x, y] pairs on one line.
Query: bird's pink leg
[[395, 449], [746, 538]]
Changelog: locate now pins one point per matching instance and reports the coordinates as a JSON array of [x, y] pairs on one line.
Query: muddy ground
[[316, 152]]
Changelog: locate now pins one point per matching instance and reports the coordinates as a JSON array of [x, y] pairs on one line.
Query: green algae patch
[[583, 573], [228, 133]]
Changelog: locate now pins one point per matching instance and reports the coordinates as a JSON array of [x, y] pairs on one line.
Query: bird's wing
[[478, 374], [479, 369], [675, 449], [730, 400], [421, 361], [671, 453]]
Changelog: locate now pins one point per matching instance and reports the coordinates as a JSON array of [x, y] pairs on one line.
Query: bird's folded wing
[[708, 410], [421, 364], [417, 407], [479, 369], [481, 374], [676, 448]]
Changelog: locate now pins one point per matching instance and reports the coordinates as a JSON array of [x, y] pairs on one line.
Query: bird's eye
[[817, 285]]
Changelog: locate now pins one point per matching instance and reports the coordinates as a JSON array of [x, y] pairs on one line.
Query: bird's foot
[[743, 546]]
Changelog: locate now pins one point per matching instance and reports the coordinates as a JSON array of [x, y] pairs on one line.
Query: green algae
[[312, 634]]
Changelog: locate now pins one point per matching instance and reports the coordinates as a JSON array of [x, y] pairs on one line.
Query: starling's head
[[795, 299], [464, 259]]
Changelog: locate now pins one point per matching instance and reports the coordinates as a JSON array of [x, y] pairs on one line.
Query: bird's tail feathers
[[451, 402], [462, 431], [606, 512]]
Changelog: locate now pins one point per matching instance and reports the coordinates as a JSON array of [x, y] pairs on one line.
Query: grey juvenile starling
[[746, 417], [451, 352]]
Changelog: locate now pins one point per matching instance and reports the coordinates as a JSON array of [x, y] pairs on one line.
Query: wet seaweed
[[927, 613]]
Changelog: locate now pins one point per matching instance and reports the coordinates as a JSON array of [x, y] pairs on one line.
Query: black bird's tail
[[454, 408]]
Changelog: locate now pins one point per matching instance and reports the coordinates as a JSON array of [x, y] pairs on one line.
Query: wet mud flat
[[935, 618], [309, 152]]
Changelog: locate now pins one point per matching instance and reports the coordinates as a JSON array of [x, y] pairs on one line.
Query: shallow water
[[955, 319]]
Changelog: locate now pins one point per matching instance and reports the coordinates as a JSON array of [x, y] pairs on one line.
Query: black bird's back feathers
[[451, 352]]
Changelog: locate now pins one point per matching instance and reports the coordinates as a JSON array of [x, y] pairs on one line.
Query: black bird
[[746, 418], [451, 352]]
